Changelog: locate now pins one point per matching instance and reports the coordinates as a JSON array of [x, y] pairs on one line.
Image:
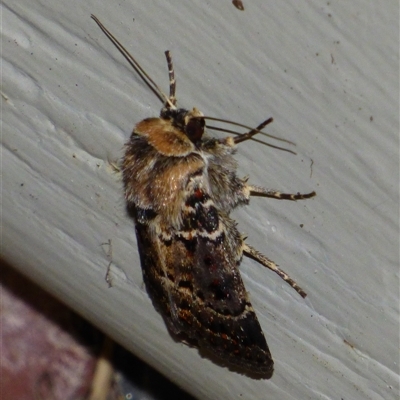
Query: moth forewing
[[180, 187]]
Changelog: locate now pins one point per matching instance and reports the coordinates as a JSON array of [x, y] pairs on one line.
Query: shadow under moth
[[180, 187]]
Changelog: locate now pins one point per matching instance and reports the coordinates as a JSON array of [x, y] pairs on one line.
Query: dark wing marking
[[192, 276]]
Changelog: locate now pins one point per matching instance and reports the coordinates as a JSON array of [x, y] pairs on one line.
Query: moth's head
[[189, 122]]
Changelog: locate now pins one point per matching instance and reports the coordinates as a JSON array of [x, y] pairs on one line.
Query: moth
[[181, 186]]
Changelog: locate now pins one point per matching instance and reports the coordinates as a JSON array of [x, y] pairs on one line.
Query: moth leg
[[115, 166], [260, 191], [251, 252]]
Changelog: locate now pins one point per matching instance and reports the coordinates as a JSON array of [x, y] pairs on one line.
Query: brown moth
[[180, 187]]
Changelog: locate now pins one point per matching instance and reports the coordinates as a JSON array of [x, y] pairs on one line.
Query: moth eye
[[194, 129]]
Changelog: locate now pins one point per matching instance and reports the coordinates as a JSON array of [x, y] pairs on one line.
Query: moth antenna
[[252, 132], [172, 81], [257, 130], [135, 65], [253, 139], [249, 136]]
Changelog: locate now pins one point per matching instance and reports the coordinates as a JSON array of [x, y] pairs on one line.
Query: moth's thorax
[[160, 160], [164, 155], [166, 139], [176, 133]]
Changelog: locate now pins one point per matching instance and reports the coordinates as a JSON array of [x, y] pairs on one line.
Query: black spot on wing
[[201, 213], [216, 278], [208, 218]]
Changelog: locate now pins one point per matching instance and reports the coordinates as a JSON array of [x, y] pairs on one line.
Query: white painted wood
[[328, 74]]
